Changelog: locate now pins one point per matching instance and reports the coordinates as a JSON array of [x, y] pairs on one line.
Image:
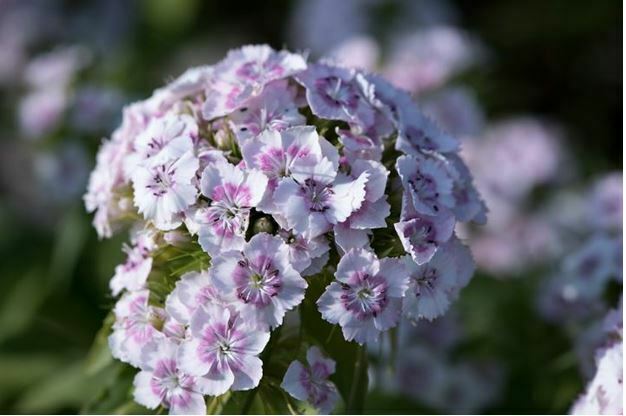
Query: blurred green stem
[[352, 407]]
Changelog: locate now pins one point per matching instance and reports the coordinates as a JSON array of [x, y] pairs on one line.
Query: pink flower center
[[425, 281], [315, 386], [337, 92], [419, 139], [365, 296], [169, 384], [162, 180], [257, 281], [421, 234], [425, 188], [318, 195]]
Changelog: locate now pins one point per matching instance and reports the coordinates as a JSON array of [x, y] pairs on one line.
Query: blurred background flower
[[532, 89]]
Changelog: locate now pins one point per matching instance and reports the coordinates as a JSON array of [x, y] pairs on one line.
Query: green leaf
[[22, 370], [114, 392], [19, 306], [99, 355], [66, 387], [69, 243]]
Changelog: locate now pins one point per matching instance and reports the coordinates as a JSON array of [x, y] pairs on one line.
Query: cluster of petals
[[309, 382], [270, 165]]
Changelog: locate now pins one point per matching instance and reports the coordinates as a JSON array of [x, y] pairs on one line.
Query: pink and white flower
[[243, 74], [280, 154], [223, 351], [366, 299], [166, 188], [166, 138], [136, 324], [133, 273], [192, 291], [161, 382], [189, 85], [310, 382], [354, 232], [358, 146], [233, 152], [314, 198], [259, 280], [106, 193], [232, 192]]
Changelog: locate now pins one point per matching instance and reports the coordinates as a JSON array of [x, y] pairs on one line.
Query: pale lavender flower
[[528, 239], [514, 156], [276, 108], [366, 299], [338, 93], [303, 251], [161, 382], [223, 351], [310, 382], [260, 280], [468, 204], [434, 285], [56, 68], [421, 235], [425, 59], [244, 73], [358, 146], [41, 111], [359, 51], [232, 192], [428, 182], [417, 132]]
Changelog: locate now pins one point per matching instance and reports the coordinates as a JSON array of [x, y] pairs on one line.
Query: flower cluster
[[266, 172]]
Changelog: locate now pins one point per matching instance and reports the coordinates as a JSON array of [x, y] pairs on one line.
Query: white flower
[[166, 188]]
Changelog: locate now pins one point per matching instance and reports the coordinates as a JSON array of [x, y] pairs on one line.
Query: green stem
[[356, 381], [248, 404]]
